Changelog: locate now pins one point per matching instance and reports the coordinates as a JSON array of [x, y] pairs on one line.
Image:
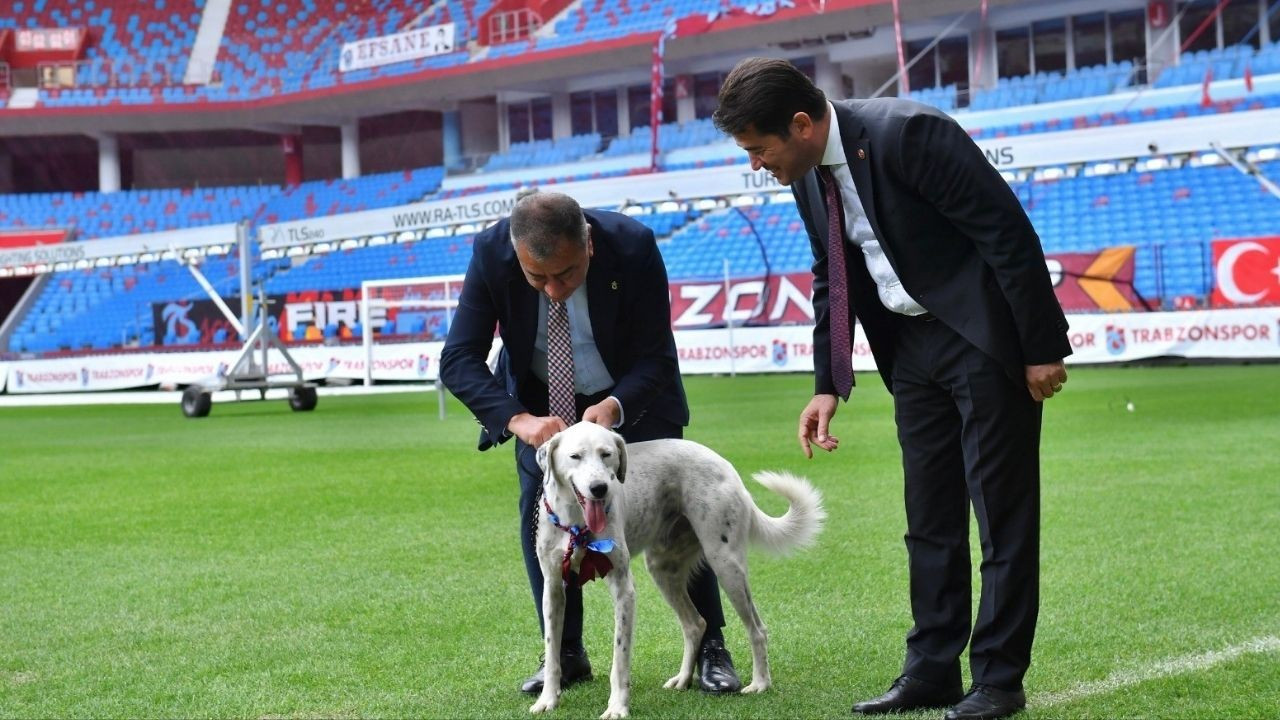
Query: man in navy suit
[[607, 269], [916, 235]]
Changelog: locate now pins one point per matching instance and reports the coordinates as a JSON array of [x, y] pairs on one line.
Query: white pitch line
[[1167, 668], [165, 397]]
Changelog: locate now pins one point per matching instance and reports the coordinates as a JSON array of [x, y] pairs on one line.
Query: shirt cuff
[[622, 415]]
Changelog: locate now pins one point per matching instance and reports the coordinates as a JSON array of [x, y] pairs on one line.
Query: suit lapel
[[522, 309], [603, 292]]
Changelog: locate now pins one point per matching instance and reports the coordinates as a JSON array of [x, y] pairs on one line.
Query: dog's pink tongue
[[595, 512]]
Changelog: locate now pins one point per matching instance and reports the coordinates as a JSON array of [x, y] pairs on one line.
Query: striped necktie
[[840, 327]]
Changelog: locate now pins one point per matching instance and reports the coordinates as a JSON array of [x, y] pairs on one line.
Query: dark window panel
[[540, 109], [953, 61], [1196, 13], [1089, 39], [1013, 52], [518, 122], [1050, 42], [924, 74], [607, 113], [1238, 19], [1129, 36]]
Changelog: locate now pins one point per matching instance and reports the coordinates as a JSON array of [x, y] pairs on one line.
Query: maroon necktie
[[560, 363], [841, 328]]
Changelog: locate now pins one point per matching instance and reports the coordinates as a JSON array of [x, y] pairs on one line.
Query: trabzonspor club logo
[[424, 364], [177, 324], [1115, 340], [779, 353]]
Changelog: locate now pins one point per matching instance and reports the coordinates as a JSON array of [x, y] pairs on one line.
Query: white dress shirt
[[590, 375], [858, 230]]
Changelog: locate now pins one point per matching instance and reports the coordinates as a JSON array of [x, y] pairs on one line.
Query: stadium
[[206, 201]]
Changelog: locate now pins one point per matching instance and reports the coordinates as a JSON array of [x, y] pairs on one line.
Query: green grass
[[363, 560]]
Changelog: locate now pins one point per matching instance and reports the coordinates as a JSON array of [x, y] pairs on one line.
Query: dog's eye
[[576, 456], [605, 454]]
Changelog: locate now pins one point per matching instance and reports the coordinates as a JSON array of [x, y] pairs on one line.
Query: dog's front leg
[[553, 621], [624, 619]]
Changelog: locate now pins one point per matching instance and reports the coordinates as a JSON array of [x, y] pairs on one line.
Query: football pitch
[[363, 560]]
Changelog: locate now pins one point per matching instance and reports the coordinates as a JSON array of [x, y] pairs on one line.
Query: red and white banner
[[758, 350], [41, 39], [1247, 272], [1252, 333], [655, 92], [27, 238], [1120, 337], [408, 361], [1095, 339], [400, 47], [781, 300]]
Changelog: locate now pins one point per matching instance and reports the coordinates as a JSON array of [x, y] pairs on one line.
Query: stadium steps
[[204, 51], [23, 98]]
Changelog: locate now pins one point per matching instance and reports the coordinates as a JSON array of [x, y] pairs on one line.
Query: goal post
[[405, 310]]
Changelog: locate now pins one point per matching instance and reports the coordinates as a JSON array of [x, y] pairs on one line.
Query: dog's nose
[[598, 490]]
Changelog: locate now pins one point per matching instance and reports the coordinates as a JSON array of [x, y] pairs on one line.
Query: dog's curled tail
[[799, 525]]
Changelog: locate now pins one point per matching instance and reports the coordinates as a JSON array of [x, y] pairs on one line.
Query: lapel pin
[[613, 285], [862, 154]]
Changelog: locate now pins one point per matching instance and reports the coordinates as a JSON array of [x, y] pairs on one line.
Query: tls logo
[[1115, 340]]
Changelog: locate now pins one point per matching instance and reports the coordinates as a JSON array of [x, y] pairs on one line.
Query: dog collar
[[595, 560]]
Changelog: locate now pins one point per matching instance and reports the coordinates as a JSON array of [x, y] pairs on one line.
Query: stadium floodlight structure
[[421, 306], [1246, 167], [250, 371]]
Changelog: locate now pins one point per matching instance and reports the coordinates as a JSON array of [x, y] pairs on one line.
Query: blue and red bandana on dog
[[595, 561]]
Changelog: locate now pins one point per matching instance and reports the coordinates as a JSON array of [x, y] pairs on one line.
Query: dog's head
[[586, 459]]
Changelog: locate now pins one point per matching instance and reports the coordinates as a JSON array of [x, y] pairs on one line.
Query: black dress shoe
[[987, 703], [908, 693], [574, 667], [715, 668]]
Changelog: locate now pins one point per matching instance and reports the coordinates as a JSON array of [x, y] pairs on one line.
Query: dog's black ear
[[545, 454], [622, 457]]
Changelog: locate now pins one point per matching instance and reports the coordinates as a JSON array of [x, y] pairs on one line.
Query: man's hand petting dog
[[606, 413], [534, 430]]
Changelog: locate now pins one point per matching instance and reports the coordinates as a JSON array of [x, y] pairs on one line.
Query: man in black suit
[[603, 271], [935, 257]]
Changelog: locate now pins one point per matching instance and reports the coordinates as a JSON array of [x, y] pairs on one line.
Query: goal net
[[408, 310]]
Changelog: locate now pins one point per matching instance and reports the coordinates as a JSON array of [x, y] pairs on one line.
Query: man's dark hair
[[765, 93], [541, 221]]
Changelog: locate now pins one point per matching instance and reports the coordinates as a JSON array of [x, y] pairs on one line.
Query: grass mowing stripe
[[1176, 666]]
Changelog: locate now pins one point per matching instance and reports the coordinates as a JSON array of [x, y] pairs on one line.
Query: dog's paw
[[545, 704], [679, 682], [755, 687], [616, 712]]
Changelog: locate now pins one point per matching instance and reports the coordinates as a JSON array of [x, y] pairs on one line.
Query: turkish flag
[[1247, 272]]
